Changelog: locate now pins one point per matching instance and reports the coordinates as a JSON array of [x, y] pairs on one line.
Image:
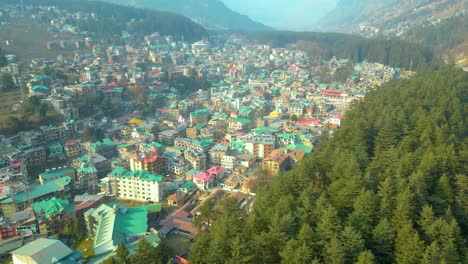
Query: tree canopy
[[388, 187], [444, 36], [393, 52]]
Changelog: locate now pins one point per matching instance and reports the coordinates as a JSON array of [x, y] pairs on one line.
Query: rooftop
[[121, 172], [56, 172], [52, 207], [116, 221], [44, 251], [40, 190]]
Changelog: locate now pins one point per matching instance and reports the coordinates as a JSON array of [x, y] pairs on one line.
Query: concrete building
[[135, 185], [149, 160], [259, 145]]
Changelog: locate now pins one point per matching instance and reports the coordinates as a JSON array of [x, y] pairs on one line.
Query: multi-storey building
[[149, 160], [260, 145], [197, 145], [72, 150], [135, 185], [217, 153], [52, 213], [106, 148], [239, 124], [35, 156], [199, 117], [196, 159], [55, 173]]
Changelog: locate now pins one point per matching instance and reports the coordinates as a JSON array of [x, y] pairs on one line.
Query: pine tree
[[408, 247], [352, 243], [122, 254], [334, 252], [382, 242], [366, 257], [144, 253]]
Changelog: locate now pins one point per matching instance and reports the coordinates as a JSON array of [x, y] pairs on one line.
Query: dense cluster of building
[[263, 113]]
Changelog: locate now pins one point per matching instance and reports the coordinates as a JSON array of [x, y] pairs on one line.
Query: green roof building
[[136, 185], [55, 173], [111, 224]]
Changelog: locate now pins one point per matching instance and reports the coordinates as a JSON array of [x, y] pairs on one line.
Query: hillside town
[[155, 128]]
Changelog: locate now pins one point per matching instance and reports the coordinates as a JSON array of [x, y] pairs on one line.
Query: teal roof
[[264, 129], [236, 145], [102, 144], [306, 149], [52, 207], [187, 185], [193, 172], [134, 221], [87, 170], [153, 144], [40, 190], [200, 112], [40, 89], [245, 110], [57, 173], [121, 172], [287, 136], [114, 222], [124, 145], [241, 120]]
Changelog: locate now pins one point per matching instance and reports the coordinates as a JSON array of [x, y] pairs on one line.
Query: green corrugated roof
[[134, 221], [203, 111], [187, 185], [241, 120], [143, 175], [236, 144], [87, 170], [114, 222], [40, 190], [104, 143], [153, 144], [303, 147], [52, 207], [264, 129], [287, 136], [52, 174]]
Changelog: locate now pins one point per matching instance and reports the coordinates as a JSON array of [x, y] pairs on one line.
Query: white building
[[135, 185]]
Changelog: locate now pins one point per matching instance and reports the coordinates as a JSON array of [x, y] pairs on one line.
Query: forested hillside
[[112, 19], [390, 52], [389, 187], [445, 36]]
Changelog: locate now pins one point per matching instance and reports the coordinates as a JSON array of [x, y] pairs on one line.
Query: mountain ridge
[[387, 17], [212, 14]]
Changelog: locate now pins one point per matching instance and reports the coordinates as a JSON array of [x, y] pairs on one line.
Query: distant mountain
[[449, 37], [387, 17], [212, 14], [112, 19]]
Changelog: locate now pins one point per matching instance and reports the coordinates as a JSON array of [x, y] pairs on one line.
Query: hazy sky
[[283, 14]]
